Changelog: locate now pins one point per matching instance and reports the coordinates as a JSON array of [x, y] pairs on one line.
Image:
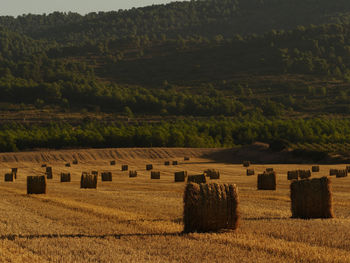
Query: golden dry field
[[140, 220]]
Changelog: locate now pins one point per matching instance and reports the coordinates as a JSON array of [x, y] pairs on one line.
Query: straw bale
[[246, 163], [212, 173], [186, 158], [125, 167], [180, 176], [67, 165], [9, 177], [149, 167], [88, 181], [304, 174], [333, 172], [315, 169], [198, 179], [342, 173], [155, 175], [65, 177], [175, 162], [250, 172], [36, 184], [293, 175], [132, 174], [267, 181], [113, 162], [106, 176], [166, 163]]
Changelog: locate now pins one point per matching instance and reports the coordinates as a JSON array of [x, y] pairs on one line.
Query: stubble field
[[140, 220]]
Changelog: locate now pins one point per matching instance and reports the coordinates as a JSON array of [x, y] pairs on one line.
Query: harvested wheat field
[[141, 220]]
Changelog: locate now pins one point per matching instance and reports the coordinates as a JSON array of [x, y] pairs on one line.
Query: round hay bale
[[155, 175], [125, 167], [198, 179], [106, 176], [65, 177], [246, 163], [180, 176], [149, 167], [250, 172], [88, 181], [212, 174], [132, 174], [267, 181], [36, 184], [315, 169], [166, 163], [9, 177]]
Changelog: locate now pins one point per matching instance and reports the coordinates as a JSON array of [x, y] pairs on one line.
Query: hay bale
[[132, 174], [293, 175], [198, 179], [88, 181], [175, 163], [269, 170], [43, 165], [348, 168], [65, 177], [149, 167], [36, 184], [250, 172], [94, 173], [67, 164], [246, 163], [14, 170], [155, 175], [180, 176], [333, 172], [210, 207], [304, 174], [49, 173], [106, 176], [125, 167], [9, 177], [212, 174], [75, 161], [267, 181], [166, 163], [113, 162], [342, 173], [315, 169], [311, 198], [186, 158]]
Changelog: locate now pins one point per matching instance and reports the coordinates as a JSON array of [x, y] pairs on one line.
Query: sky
[[19, 7]]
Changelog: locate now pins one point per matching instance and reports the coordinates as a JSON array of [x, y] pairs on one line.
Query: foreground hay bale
[[9, 177], [88, 181], [293, 175], [186, 158], [311, 198], [246, 163], [212, 174], [315, 169], [198, 179], [155, 175], [333, 172], [180, 176], [113, 162], [267, 181], [49, 174], [210, 207], [36, 184], [106, 176], [65, 177], [342, 173], [149, 167], [166, 163], [250, 172], [175, 162], [304, 174], [132, 174], [125, 167]]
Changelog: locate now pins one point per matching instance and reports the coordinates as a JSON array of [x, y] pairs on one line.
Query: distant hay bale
[[315, 169], [132, 174], [250, 172], [269, 170], [293, 175], [43, 165], [155, 175], [333, 172], [348, 168], [125, 167], [212, 174], [246, 163], [198, 179], [36, 184], [94, 173], [166, 163], [49, 174], [106, 176], [311, 198], [342, 173], [67, 164], [175, 162], [14, 171], [88, 181], [149, 167], [267, 181], [75, 161], [9, 177], [210, 207], [186, 158], [304, 174], [113, 162], [180, 176], [65, 177]]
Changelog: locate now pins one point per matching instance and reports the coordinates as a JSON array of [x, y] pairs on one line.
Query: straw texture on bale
[[333, 172], [106, 177], [292, 175], [36, 184], [304, 174], [166, 163], [186, 158], [149, 167], [250, 172], [180, 176], [210, 207], [10, 177], [311, 198], [342, 173], [267, 181], [212, 174], [315, 169], [198, 179], [65, 177], [88, 181], [113, 162], [49, 174], [125, 167], [132, 174], [246, 163], [155, 175], [175, 162]]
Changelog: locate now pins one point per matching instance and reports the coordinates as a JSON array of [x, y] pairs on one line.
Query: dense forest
[[237, 60]]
